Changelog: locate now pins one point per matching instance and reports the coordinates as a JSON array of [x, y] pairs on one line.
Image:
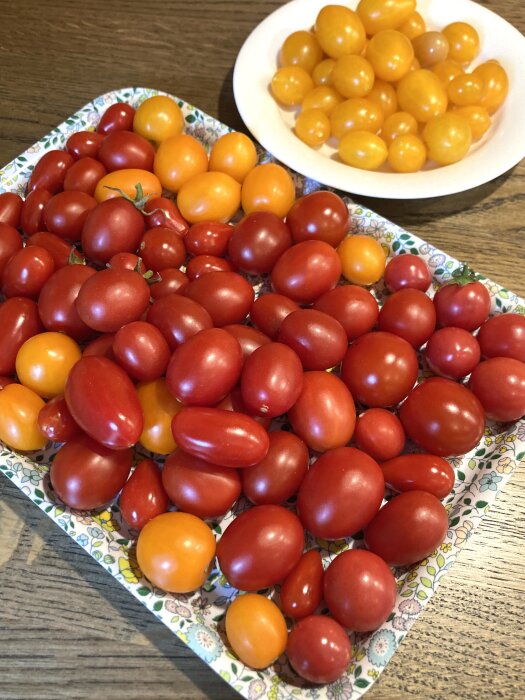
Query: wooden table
[[67, 630]]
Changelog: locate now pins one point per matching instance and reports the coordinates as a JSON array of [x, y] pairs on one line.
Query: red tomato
[[234, 402], [10, 243], [452, 352], [443, 417], [50, 171], [380, 369], [318, 339], [32, 215], [407, 272], [114, 226], [56, 422], [208, 238], [26, 272], [19, 321], [324, 414], [84, 144], [499, 384], [202, 264], [62, 252], [162, 247], [359, 590], [306, 271], [200, 488], [249, 338], [226, 296], [178, 318], [84, 175], [419, 472], [161, 211], [128, 261], [172, 281], [321, 216], [258, 241], [260, 547], [66, 213], [503, 336], [408, 528], [302, 590], [101, 347], [86, 475], [319, 649], [104, 403], [354, 307], [141, 349], [340, 494], [10, 208], [205, 368], [226, 438], [409, 314], [269, 311], [143, 496], [380, 434], [462, 305], [277, 477], [125, 149], [117, 117], [5, 381]]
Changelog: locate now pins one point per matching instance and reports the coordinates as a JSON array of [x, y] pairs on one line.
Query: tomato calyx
[[140, 199], [463, 276], [75, 258]]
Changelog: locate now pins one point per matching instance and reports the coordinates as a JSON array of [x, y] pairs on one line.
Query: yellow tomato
[[384, 96], [301, 49], [362, 149], [463, 41], [398, 124], [465, 90], [422, 94], [322, 73], [447, 137], [313, 127], [234, 154], [362, 259], [159, 407], [378, 15], [127, 180], [321, 97], [430, 48], [209, 196], [268, 187], [407, 154], [413, 26], [391, 55], [158, 118], [356, 114], [495, 85], [477, 117], [447, 70], [178, 159], [340, 31], [290, 85], [19, 409], [44, 361], [353, 76]]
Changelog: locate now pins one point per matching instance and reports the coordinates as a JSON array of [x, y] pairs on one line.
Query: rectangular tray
[[197, 619]]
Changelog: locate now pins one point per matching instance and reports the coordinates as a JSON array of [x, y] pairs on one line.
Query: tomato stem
[[463, 275], [139, 201], [75, 258]]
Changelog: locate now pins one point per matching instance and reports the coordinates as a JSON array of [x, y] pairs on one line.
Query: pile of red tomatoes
[[150, 333]]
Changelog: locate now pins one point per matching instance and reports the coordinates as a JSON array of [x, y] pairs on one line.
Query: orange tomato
[[313, 127], [407, 154], [384, 96], [290, 85], [322, 73], [391, 54], [301, 49], [158, 118], [378, 15], [340, 31], [178, 159], [477, 117], [268, 187], [127, 180], [422, 94], [158, 406], [447, 137], [233, 154], [209, 196], [44, 361], [362, 259], [19, 409], [398, 124]]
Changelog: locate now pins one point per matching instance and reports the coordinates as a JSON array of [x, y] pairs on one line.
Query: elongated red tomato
[[62, 252], [226, 438], [319, 649], [66, 212], [202, 264], [125, 149], [208, 238], [419, 472], [117, 117], [104, 403], [354, 307], [269, 311], [32, 215], [321, 216], [161, 211], [10, 242], [50, 171], [380, 434], [302, 589], [178, 318], [56, 422], [143, 496], [172, 281], [318, 339], [306, 271], [114, 226], [226, 296], [258, 241], [19, 321], [249, 338], [84, 144], [503, 336], [141, 349], [162, 247], [410, 314], [11, 205], [499, 384], [84, 175], [26, 272]]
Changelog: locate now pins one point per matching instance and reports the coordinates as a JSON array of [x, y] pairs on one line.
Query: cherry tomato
[[62, 252], [302, 590], [384, 96], [306, 271], [84, 175], [202, 264], [84, 144], [322, 97], [10, 242], [362, 259], [465, 90], [141, 349], [256, 630], [158, 118], [356, 114], [301, 49], [269, 311], [178, 318], [318, 649], [208, 238], [258, 241], [380, 369], [26, 272], [447, 137], [419, 472], [324, 414], [249, 338], [175, 551], [443, 417], [354, 307], [503, 336], [114, 226], [430, 48], [179, 159], [226, 296], [361, 149], [268, 187], [44, 361], [322, 73], [11, 206], [318, 339], [313, 127], [410, 314], [380, 434], [19, 320], [390, 54], [462, 305], [378, 15], [66, 213], [407, 271], [86, 475], [463, 41], [398, 124], [452, 352], [50, 171], [478, 119], [200, 488], [125, 149], [290, 85], [19, 409], [125, 181], [128, 261], [507, 375], [408, 528], [234, 402], [421, 94], [359, 590], [407, 154], [172, 281], [277, 477], [162, 247], [32, 215], [102, 346], [117, 117], [339, 31], [158, 406], [56, 422], [233, 154], [495, 85], [320, 216], [143, 496], [112, 416], [209, 195], [226, 438], [352, 76], [161, 211], [447, 70]]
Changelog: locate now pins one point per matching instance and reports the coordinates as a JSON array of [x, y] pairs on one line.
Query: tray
[[197, 619]]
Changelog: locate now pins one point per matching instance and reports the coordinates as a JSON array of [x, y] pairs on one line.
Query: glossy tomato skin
[[407, 272], [380, 369], [452, 352], [324, 414], [503, 336], [102, 346], [161, 211], [200, 488], [56, 422], [341, 493], [277, 477], [226, 296], [203, 370], [410, 314], [408, 528], [84, 144], [249, 338], [162, 247], [61, 251], [269, 311], [419, 472], [125, 149], [127, 261], [112, 185], [32, 215], [306, 271], [354, 307], [27, 271], [141, 349], [234, 402], [302, 589], [19, 321], [359, 590], [318, 339], [104, 403], [202, 264], [86, 475], [172, 281], [66, 213], [158, 407], [443, 417], [50, 171], [208, 238], [84, 175], [11, 205], [10, 243], [258, 241], [117, 117], [380, 434], [321, 216], [178, 318], [319, 649], [260, 547], [19, 409], [114, 226], [462, 306], [226, 438], [143, 496], [499, 384]]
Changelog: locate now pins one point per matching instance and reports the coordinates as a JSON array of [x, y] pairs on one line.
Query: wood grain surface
[[67, 629]]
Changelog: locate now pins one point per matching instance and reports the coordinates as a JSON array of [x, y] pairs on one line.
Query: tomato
[[66, 212], [32, 214], [410, 314], [162, 247], [114, 226], [117, 117], [495, 85], [447, 70], [290, 85], [268, 187], [50, 171], [171, 281], [26, 272], [179, 159], [126, 149], [462, 305], [398, 124], [419, 472], [86, 475], [11, 206], [226, 296], [56, 303], [277, 476], [324, 414], [44, 361], [158, 406], [384, 96], [84, 175], [178, 318], [19, 320], [421, 94], [362, 259], [447, 138], [19, 409], [158, 118], [407, 271], [359, 590], [234, 154], [339, 31], [302, 49], [10, 242], [104, 403], [209, 195], [202, 264], [111, 298], [465, 90], [256, 630], [390, 54], [258, 241], [407, 154], [362, 149], [355, 114], [102, 346], [320, 216], [442, 417], [56, 422], [478, 119], [141, 349], [84, 144], [503, 336], [226, 438], [430, 48], [312, 126], [380, 369], [499, 384], [249, 338], [113, 184], [128, 261], [200, 488], [306, 271], [318, 649], [318, 339], [354, 307], [62, 252], [302, 590], [143, 496], [161, 211], [208, 238], [452, 352], [322, 73], [463, 41], [378, 15], [175, 551], [352, 76], [269, 311], [380, 434]]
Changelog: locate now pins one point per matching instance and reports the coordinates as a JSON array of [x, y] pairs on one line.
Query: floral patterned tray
[[197, 619]]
